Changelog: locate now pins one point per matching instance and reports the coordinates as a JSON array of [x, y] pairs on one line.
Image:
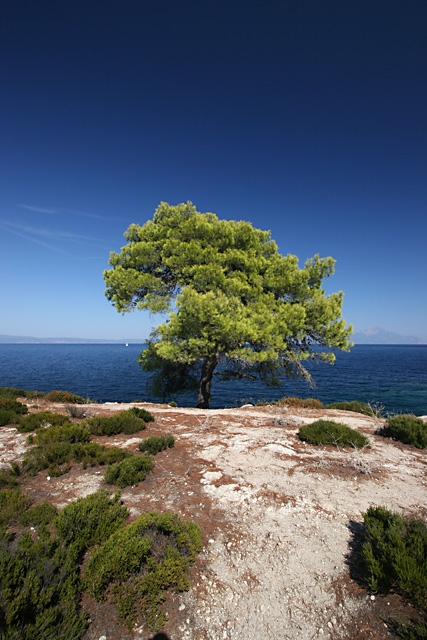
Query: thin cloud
[[32, 239], [52, 233], [61, 212]]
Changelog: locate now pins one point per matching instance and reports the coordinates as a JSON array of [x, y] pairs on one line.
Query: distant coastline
[[6, 339]]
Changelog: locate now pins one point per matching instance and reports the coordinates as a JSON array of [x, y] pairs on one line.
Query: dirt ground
[[277, 518]]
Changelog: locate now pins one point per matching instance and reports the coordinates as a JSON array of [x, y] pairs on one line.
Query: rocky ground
[[277, 519]]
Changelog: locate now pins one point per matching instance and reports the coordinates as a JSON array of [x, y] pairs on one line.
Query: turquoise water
[[393, 376]]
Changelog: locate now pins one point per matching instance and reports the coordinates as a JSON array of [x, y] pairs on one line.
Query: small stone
[[372, 598], [103, 638], [181, 607], [48, 478], [211, 541]]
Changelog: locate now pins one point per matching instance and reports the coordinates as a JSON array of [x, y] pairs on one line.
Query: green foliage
[[41, 514], [13, 503], [8, 417], [407, 429], [305, 403], [9, 476], [138, 565], [129, 471], [142, 413], [11, 392], [173, 404], [356, 406], [64, 396], [42, 418], [154, 444], [233, 301], [123, 422], [90, 521], [335, 433], [393, 556], [10, 411], [39, 589]]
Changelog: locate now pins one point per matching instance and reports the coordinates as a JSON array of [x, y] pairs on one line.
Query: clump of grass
[[123, 422], [142, 413], [41, 419], [129, 471], [154, 444], [407, 429], [328, 432], [64, 396], [13, 503], [356, 406], [392, 555], [138, 565], [41, 514], [304, 403]]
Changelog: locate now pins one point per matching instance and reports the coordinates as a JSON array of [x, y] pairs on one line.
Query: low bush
[[154, 444], [139, 564], [9, 476], [356, 406], [392, 555], [142, 413], [42, 418], [130, 471], [8, 417], [11, 392], [123, 422], [13, 503], [10, 404], [64, 396], [304, 403], [67, 432], [76, 411], [335, 433], [407, 429], [93, 454], [41, 514], [90, 521]]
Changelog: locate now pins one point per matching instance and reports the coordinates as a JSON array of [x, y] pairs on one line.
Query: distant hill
[[376, 335], [31, 339]]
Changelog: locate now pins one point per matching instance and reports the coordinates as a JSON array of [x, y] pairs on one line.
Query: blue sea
[[394, 377]]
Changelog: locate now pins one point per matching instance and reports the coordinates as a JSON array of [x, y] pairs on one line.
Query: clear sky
[[305, 117]]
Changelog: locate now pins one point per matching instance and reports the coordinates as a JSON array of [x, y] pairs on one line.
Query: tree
[[235, 306]]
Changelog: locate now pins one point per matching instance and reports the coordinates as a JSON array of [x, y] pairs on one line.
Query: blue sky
[[307, 118]]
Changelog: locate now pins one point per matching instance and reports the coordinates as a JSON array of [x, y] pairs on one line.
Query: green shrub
[[130, 471], [13, 503], [154, 444], [42, 418], [11, 392], [173, 404], [62, 433], [139, 564], [335, 433], [92, 453], [123, 422], [407, 429], [356, 406], [8, 417], [64, 396], [90, 521], [40, 588], [13, 405], [9, 476], [41, 514], [305, 403], [393, 556], [142, 413]]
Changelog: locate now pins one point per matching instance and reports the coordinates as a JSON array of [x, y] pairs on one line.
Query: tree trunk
[[208, 368]]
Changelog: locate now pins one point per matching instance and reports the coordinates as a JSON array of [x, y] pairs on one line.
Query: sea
[[390, 377]]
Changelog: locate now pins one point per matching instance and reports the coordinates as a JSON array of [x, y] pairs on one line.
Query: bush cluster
[[123, 422], [407, 429], [356, 406], [140, 563], [393, 556], [64, 396], [142, 413], [154, 444], [305, 403], [41, 419], [57, 446], [11, 411], [9, 475], [11, 392], [129, 471], [334, 433]]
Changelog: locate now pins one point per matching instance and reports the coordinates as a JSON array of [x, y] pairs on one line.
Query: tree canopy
[[235, 305]]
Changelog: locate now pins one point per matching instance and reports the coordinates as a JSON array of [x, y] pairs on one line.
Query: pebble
[[372, 598], [181, 607]]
